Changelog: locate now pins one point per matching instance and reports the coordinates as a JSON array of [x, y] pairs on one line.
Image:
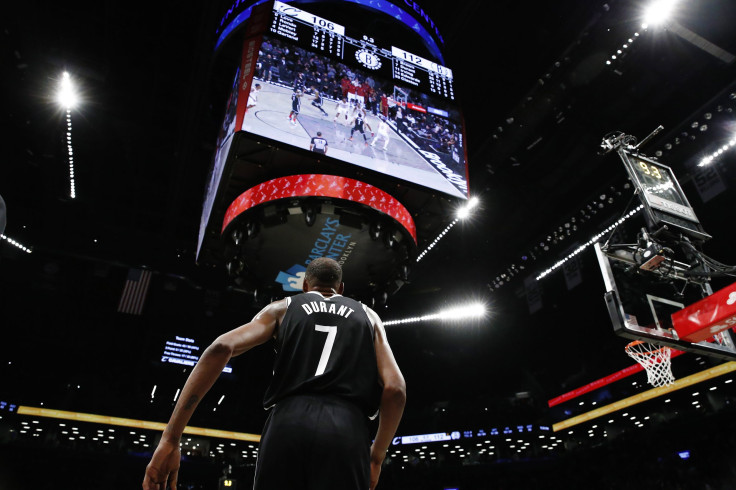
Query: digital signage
[[224, 140], [320, 87], [184, 351]]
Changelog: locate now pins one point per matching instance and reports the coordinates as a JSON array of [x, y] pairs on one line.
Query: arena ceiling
[[537, 94]]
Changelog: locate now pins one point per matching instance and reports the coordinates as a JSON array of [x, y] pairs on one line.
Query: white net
[[655, 359]]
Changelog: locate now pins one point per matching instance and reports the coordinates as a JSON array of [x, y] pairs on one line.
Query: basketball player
[[358, 124], [253, 96], [333, 369], [318, 144], [382, 132], [356, 102], [341, 107], [299, 82], [296, 104], [317, 100]]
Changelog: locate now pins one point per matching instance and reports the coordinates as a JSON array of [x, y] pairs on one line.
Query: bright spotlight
[[463, 312], [464, 211], [67, 95], [658, 11], [472, 310]]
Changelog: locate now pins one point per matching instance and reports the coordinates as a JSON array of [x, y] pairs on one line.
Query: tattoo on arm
[[191, 402]]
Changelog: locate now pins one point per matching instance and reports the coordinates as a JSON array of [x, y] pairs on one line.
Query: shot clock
[[664, 202]]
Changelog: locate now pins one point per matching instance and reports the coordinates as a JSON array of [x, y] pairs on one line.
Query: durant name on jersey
[[325, 307]]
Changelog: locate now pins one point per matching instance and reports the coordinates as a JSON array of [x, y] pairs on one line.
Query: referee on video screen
[[318, 144], [333, 371]]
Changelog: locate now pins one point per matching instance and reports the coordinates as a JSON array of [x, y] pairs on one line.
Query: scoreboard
[[393, 148], [335, 40]]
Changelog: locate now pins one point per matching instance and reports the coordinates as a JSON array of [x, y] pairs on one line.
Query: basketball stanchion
[[655, 359]]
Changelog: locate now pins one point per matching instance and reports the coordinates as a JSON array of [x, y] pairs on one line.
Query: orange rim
[[630, 345]]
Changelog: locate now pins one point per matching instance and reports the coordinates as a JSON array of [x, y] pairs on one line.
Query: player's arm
[[214, 359], [164, 464], [393, 397]]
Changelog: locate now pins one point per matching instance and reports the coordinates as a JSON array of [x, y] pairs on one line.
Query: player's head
[[319, 133], [258, 86], [323, 273]]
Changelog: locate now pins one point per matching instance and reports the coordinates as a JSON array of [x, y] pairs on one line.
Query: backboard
[[641, 302]]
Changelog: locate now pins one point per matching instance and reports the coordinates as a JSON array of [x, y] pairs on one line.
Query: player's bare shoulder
[[277, 309], [374, 319]]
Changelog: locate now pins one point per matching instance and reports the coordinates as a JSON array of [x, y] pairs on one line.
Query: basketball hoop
[[655, 359]]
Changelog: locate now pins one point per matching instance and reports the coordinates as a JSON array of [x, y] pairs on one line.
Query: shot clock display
[[664, 201]]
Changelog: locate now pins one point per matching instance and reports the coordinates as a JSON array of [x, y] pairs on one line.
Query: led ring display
[[319, 185]]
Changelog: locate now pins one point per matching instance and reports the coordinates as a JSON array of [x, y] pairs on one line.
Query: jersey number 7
[[327, 349]]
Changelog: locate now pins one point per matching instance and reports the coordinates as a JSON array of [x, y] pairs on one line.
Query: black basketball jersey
[[295, 102], [359, 122], [319, 144], [325, 346]]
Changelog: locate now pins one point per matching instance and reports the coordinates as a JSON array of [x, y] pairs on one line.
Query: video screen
[[182, 350], [224, 140], [320, 104]]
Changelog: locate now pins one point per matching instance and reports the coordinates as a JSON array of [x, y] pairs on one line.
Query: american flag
[[134, 292]]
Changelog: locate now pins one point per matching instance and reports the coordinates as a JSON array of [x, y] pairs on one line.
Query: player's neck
[[324, 290]]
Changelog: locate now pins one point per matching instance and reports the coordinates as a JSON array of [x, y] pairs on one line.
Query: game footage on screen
[[317, 103]]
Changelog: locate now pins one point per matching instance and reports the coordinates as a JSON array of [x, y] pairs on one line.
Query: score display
[[332, 39], [381, 108]]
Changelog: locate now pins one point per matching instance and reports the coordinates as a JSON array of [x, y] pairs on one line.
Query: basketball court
[[401, 159]]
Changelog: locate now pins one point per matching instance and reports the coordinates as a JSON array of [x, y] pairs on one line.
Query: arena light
[[590, 242], [462, 213], [70, 153], [720, 151], [67, 97], [67, 94], [15, 244], [626, 45], [658, 12], [463, 312], [133, 423], [436, 240], [466, 210]]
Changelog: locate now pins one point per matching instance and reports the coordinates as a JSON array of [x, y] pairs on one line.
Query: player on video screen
[[356, 104], [359, 124], [299, 82], [317, 100], [253, 96], [341, 107], [382, 132], [296, 104], [318, 144], [400, 120]]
